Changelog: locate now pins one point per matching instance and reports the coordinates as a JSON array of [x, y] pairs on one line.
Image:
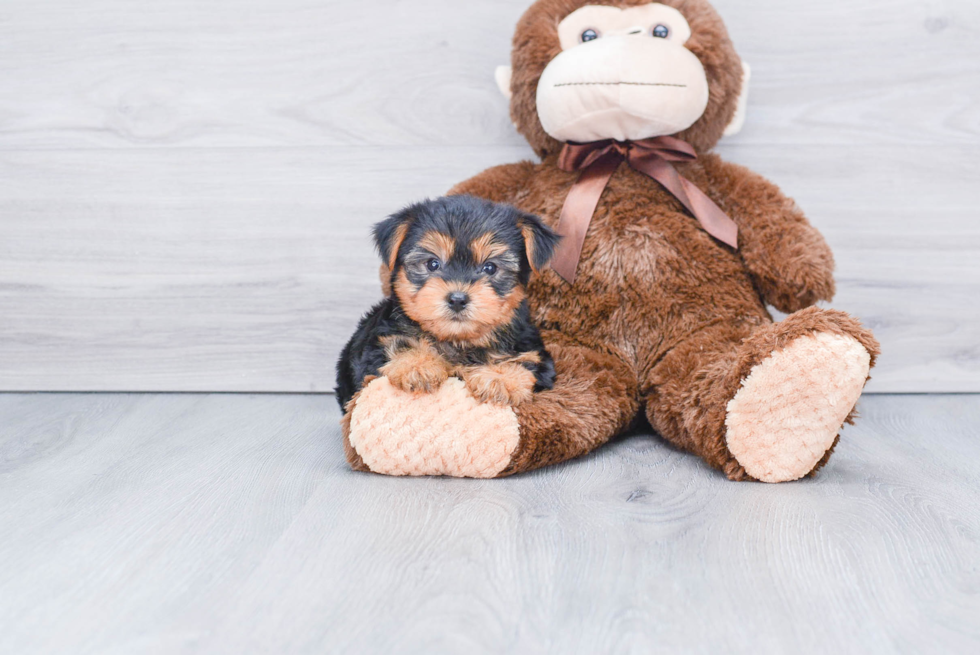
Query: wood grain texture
[[186, 188], [419, 72], [197, 270], [202, 524]]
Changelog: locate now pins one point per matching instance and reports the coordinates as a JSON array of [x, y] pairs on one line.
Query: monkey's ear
[[390, 233], [539, 241], [738, 121], [503, 75]]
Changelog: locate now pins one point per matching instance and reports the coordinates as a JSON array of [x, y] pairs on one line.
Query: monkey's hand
[[795, 275], [500, 384], [418, 370]]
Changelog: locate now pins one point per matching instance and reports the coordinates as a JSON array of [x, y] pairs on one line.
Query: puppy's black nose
[[457, 301]]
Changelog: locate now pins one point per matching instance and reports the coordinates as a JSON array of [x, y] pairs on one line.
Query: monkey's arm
[[787, 257], [497, 184]]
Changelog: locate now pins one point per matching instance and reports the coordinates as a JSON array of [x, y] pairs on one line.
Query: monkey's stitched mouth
[[679, 86]]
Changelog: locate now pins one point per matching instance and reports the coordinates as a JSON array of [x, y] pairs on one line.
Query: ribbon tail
[[576, 214], [711, 217]]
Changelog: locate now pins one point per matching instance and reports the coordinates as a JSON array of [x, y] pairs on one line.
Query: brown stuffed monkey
[[670, 256]]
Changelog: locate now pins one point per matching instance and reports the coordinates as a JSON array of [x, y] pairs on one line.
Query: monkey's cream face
[[622, 74]]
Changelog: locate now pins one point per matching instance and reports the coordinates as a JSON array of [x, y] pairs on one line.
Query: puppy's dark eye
[[589, 35], [490, 268], [661, 31], [433, 265]]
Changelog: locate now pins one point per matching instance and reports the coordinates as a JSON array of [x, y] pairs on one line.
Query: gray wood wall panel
[[186, 188], [179, 524], [114, 73]]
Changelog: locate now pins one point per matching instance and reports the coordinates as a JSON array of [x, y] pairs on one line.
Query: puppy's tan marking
[[487, 311], [531, 357], [490, 309], [427, 306], [500, 384], [384, 274], [528, 235], [396, 244], [486, 247], [439, 244], [418, 369]]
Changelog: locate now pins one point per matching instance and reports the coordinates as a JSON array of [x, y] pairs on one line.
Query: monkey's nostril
[[457, 301]]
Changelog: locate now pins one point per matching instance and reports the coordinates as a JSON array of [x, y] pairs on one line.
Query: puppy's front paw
[[500, 384], [417, 371]]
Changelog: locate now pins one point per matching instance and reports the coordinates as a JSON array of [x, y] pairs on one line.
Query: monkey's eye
[[490, 268], [589, 35], [433, 265], [661, 31]]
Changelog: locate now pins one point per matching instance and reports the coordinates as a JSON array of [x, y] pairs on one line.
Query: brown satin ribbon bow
[[598, 161]]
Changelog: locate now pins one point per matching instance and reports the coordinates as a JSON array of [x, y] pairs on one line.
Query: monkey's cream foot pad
[[793, 404], [443, 433]]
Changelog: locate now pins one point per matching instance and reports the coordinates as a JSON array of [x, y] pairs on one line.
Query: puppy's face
[[459, 265], [459, 290]]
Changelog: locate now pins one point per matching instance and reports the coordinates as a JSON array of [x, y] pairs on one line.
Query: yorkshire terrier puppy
[[457, 268]]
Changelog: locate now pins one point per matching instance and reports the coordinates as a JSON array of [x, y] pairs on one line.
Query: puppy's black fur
[[486, 252]]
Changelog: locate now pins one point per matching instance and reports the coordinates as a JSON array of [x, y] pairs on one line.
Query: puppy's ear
[[384, 275], [539, 241], [390, 233]]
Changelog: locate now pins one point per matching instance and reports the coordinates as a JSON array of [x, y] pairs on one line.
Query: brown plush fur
[[662, 317]]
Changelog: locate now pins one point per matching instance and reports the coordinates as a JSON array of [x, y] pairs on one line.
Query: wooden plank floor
[[217, 523], [186, 188]]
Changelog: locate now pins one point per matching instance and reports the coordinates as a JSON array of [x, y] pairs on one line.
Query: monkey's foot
[[792, 405], [447, 432]]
